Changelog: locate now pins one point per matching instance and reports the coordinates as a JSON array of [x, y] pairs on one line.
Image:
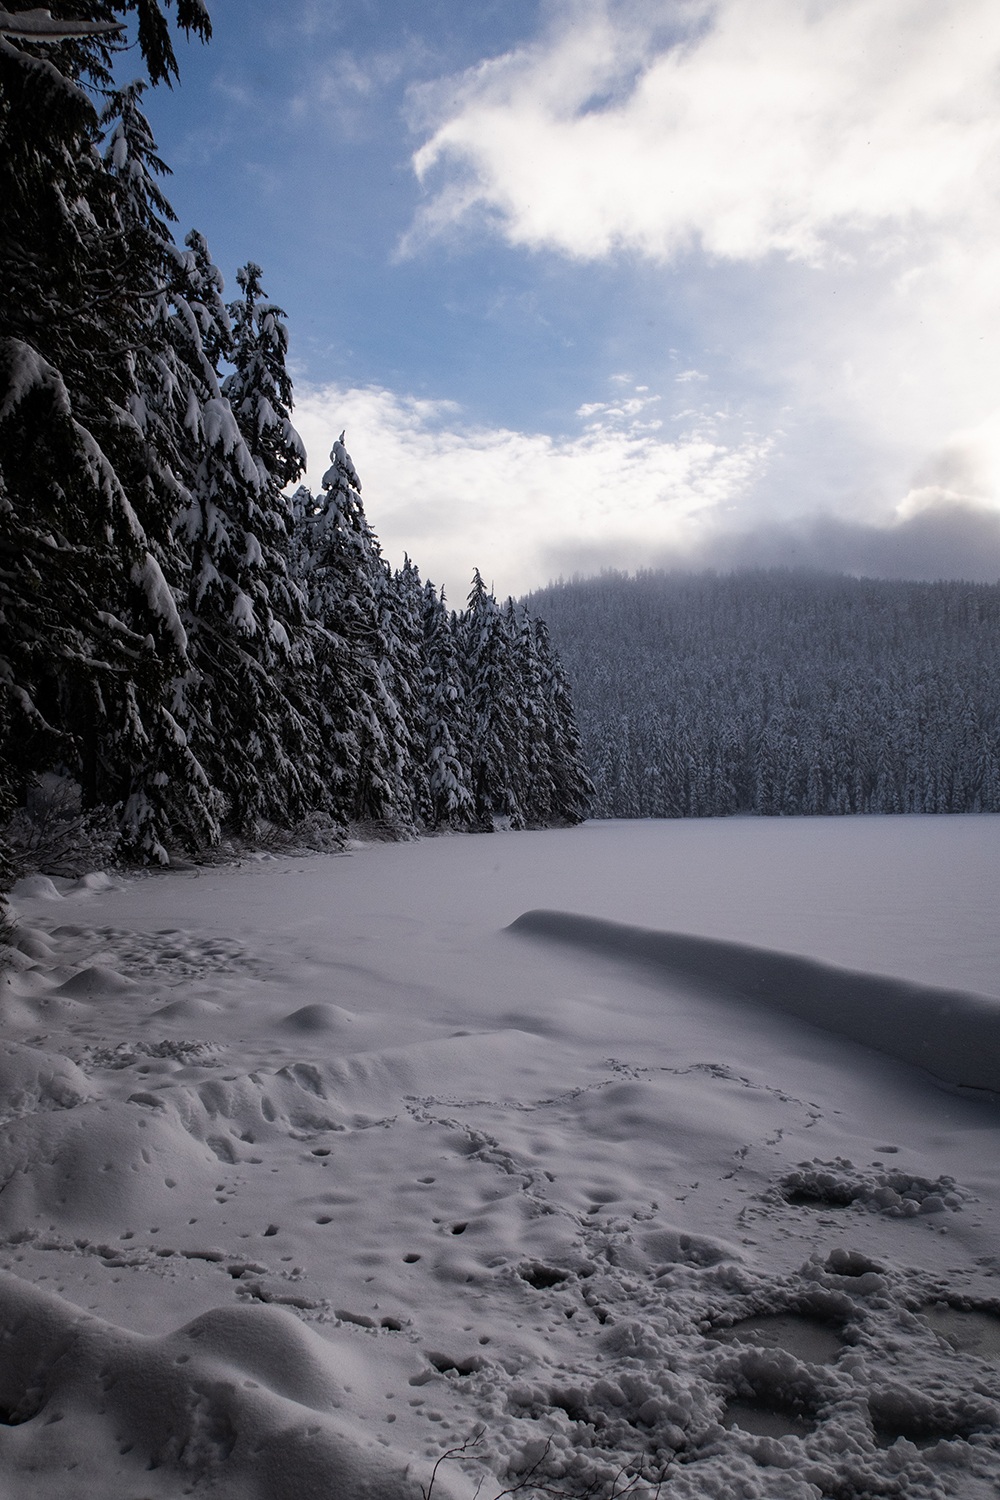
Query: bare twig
[[472, 1441], [564, 1489]]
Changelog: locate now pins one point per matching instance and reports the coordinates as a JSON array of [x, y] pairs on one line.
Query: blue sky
[[618, 283]]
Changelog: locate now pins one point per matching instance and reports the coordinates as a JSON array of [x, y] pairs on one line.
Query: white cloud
[[831, 165], [773, 125], [456, 497]]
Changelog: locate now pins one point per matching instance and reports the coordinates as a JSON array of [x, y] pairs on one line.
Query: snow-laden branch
[[41, 26]]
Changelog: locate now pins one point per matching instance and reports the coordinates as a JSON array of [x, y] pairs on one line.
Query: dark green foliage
[[492, 709], [91, 631], [402, 643], [569, 789], [154, 32]]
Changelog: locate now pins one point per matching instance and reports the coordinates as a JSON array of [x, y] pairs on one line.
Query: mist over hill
[[782, 692]]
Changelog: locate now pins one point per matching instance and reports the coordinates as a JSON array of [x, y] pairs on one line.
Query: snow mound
[[100, 1167], [36, 888], [242, 1401], [96, 979], [31, 1079], [838, 1183], [317, 1017], [953, 1034], [15, 960], [32, 942], [296, 1100], [187, 1010], [96, 880]]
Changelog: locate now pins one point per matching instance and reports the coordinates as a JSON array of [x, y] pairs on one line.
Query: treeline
[[181, 642], [782, 693]]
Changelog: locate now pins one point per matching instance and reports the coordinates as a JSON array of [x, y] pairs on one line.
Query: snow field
[[312, 1171]]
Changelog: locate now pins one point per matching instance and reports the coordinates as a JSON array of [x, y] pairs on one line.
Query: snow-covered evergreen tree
[[166, 641], [447, 738], [89, 621], [170, 797], [492, 710], [571, 787], [339, 564], [260, 390], [247, 700], [402, 670]]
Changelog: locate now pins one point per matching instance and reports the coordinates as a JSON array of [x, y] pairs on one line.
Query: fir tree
[[340, 565], [87, 613], [572, 788], [88, 621], [246, 700], [177, 636], [259, 390], [451, 804], [402, 671], [492, 710]]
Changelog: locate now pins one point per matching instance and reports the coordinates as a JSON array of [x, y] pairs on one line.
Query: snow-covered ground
[[314, 1170]]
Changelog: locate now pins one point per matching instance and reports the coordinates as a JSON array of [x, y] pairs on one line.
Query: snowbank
[[954, 1035]]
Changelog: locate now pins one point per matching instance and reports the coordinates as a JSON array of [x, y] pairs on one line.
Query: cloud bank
[[947, 540], [526, 508]]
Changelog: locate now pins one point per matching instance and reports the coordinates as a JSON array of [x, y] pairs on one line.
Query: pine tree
[[492, 710], [260, 390], [176, 635], [170, 797], [451, 804], [572, 788], [88, 622], [339, 563], [402, 672], [247, 699]]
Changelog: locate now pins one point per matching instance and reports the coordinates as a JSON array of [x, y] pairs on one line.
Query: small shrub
[[52, 834]]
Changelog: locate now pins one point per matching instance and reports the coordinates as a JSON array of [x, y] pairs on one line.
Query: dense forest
[[782, 692], [188, 648]]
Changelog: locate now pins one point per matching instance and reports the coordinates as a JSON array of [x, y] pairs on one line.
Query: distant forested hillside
[[782, 692]]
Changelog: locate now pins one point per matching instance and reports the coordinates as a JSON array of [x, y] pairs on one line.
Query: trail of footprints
[[710, 1368], [701, 1370], [166, 952], [687, 1364]]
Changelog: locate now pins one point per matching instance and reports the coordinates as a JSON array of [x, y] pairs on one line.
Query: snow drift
[[953, 1034]]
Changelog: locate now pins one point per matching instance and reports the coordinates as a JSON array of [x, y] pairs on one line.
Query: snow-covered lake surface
[[314, 1170]]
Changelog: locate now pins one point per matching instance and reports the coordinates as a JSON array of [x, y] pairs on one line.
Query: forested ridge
[[185, 651], [782, 692]]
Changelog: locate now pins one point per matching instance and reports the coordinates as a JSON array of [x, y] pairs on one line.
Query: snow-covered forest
[[782, 692], [185, 649]]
